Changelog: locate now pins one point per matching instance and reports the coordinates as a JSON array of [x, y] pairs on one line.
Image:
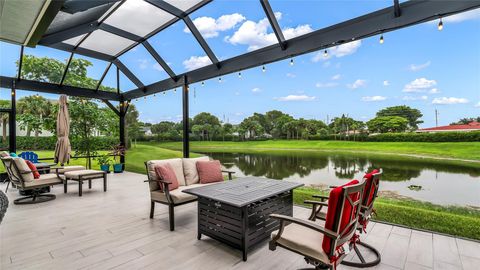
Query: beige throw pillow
[[190, 169]]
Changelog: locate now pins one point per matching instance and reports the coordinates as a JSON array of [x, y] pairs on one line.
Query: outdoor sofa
[[187, 176]]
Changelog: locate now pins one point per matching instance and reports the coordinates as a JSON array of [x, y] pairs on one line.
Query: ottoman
[[85, 175]]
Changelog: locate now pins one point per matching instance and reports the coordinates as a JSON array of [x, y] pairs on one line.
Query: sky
[[418, 66]]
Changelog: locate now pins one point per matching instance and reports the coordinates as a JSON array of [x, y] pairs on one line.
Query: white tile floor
[[112, 231]]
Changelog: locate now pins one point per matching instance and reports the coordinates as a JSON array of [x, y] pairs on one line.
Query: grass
[[456, 221], [449, 150]]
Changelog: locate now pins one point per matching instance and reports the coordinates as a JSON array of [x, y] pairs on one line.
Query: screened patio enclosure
[[108, 30]]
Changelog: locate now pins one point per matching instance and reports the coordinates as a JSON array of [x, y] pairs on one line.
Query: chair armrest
[[305, 223], [229, 173], [332, 186], [322, 197], [159, 180], [31, 171], [316, 202]]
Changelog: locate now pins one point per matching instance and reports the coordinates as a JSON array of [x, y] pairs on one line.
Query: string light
[[239, 74], [291, 62], [136, 99], [325, 53], [164, 93], [175, 90], [219, 79], [381, 39], [203, 83], [154, 95], [264, 69], [145, 98], [440, 25]]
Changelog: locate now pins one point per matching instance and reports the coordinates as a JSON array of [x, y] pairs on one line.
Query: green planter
[[118, 168], [105, 167]]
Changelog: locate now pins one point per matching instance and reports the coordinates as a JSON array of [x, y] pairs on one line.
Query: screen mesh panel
[[105, 42]]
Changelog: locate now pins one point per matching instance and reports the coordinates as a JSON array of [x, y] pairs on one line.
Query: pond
[[438, 182]]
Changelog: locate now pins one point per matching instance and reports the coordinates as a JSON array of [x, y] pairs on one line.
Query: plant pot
[[105, 167], [118, 168]]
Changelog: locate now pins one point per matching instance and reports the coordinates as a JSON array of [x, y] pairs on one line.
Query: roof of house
[[470, 126]]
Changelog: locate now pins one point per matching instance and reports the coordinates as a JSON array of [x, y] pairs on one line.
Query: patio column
[[12, 122], [185, 137], [123, 112]]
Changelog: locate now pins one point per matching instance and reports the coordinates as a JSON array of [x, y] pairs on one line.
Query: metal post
[[186, 138], [122, 128], [12, 125]]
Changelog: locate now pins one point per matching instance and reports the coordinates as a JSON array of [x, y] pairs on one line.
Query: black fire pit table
[[237, 212]]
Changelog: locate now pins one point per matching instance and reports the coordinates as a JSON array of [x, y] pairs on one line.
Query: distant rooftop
[[472, 126]]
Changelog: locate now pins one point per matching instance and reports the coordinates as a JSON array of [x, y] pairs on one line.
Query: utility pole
[[436, 118]]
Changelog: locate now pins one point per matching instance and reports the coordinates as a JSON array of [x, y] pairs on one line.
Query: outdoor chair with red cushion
[[372, 182], [323, 246]]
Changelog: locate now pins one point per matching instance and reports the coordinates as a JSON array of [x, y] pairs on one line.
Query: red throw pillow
[[209, 171], [333, 200], [36, 174], [166, 173]]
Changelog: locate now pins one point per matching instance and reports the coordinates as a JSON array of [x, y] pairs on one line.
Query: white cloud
[[419, 85], [464, 16], [374, 98], [386, 83], [336, 77], [195, 62], [256, 90], [338, 51], [326, 85], [157, 67], [414, 67], [357, 84], [434, 91], [291, 75], [210, 27], [296, 98], [449, 100], [255, 34], [413, 98], [477, 105], [143, 63]]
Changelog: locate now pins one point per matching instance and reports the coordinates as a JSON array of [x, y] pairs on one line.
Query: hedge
[[48, 143], [472, 136]]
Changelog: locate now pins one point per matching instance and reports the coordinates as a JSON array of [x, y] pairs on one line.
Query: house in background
[[472, 126]]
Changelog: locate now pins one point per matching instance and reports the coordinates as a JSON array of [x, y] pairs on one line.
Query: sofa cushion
[[303, 240], [190, 169], [177, 195], [44, 180], [166, 173], [23, 167], [32, 167], [77, 174], [70, 168], [177, 165], [209, 171]]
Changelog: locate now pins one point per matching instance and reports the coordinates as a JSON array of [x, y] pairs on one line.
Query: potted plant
[[104, 161], [118, 151]]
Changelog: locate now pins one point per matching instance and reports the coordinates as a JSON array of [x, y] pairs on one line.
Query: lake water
[[441, 183]]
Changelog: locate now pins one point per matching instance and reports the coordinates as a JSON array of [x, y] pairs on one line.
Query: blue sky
[[417, 66]]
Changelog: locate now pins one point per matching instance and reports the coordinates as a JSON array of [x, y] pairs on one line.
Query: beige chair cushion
[[304, 241], [77, 174], [177, 166], [45, 179], [177, 195], [190, 169], [22, 166], [71, 168]]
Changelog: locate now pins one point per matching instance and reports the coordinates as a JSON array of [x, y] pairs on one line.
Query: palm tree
[[4, 118], [33, 111]]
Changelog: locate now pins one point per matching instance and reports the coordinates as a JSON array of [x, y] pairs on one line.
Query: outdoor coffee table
[[84, 175], [237, 212]]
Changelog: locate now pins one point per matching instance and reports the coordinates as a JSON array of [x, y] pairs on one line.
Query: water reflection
[[439, 180]]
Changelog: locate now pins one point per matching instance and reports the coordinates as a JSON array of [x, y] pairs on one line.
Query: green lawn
[[454, 150]]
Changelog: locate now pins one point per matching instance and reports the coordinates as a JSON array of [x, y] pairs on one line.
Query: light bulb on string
[[264, 69], [145, 98], [239, 74], [325, 53], [219, 79], [175, 90], [291, 62], [164, 93], [381, 39], [440, 25], [203, 83]]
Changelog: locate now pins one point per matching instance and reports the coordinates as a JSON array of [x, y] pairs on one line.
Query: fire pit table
[[237, 212]]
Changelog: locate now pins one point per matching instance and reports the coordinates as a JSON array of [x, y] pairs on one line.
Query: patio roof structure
[[106, 30]]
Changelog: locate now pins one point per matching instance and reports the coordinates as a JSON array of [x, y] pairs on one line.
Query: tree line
[[276, 124]]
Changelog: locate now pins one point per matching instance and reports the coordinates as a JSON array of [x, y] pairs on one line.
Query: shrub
[[473, 136]]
